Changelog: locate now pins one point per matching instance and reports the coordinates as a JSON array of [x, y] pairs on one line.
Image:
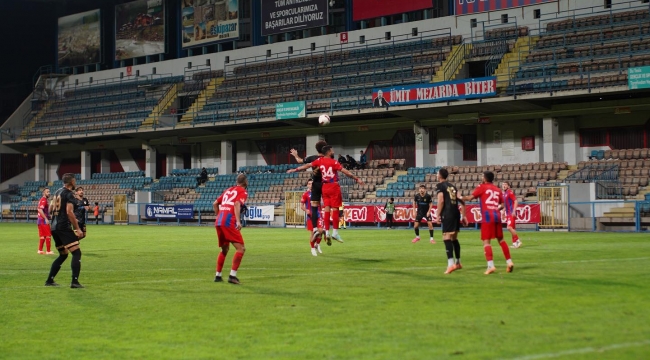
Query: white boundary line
[[586, 350]]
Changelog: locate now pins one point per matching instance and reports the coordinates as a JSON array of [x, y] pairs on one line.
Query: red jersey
[[306, 199], [43, 205], [509, 199], [226, 201], [328, 168], [490, 198]]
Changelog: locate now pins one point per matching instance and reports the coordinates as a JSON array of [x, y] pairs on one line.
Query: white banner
[[261, 213]]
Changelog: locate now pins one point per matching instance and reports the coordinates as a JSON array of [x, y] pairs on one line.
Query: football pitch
[[150, 295]]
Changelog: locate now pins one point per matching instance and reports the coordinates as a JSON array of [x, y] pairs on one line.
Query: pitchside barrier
[[552, 211]]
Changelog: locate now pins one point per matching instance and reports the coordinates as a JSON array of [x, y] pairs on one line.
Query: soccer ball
[[324, 120]]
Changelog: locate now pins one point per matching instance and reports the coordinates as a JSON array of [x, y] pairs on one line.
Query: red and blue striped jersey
[[490, 197], [509, 199], [226, 201]]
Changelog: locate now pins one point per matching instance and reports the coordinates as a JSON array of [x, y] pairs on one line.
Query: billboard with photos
[[139, 29], [208, 21], [79, 39]]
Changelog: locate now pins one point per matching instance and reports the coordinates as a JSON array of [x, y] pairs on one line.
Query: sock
[[417, 232], [327, 221], [335, 220], [318, 240], [505, 249], [488, 252], [449, 249], [314, 217], [41, 241], [220, 260], [311, 243], [431, 234], [456, 245], [515, 238], [48, 243], [491, 263], [56, 266], [233, 272], [76, 265], [236, 260], [219, 273]]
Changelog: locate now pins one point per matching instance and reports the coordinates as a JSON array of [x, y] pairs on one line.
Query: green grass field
[[150, 294]]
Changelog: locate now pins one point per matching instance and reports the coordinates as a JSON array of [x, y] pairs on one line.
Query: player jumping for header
[[332, 198]]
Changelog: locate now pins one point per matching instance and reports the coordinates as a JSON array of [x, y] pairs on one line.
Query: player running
[[304, 202], [510, 205], [491, 198], [422, 205], [316, 190], [43, 223], [228, 209], [450, 217], [332, 198]]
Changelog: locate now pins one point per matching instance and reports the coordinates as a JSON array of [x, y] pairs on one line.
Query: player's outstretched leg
[[54, 270], [506, 254], [487, 248], [431, 240], [236, 261], [221, 259], [416, 228], [456, 246], [449, 249], [75, 264]]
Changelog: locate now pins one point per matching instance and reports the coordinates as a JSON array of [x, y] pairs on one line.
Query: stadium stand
[[591, 51], [100, 108], [253, 90]]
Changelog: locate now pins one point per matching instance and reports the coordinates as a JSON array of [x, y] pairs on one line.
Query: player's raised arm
[[299, 168], [294, 153], [349, 174]]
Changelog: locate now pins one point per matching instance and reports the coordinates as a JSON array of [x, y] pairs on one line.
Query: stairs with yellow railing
[[32, 123], [511, 60], [162, 106], [449, 72], [201, 100]]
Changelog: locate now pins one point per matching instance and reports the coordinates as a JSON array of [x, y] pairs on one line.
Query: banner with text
[[79, 39], [139, 29], [526, 214], [464, 7], [281, 16], [208, 21], [290, 110], [261, 213], [172, 212], [368, 9], [638, 78], [435, 92]]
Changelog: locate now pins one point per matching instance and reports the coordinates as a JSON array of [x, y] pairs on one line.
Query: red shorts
[[491, 231], [228, 235], [44, 230], [510, 221], [332, 195], [310, 227]]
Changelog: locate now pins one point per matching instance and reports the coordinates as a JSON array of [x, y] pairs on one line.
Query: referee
[[65, 231]]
